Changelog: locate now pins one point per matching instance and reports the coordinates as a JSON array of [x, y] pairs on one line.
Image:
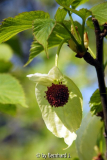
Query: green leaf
[[63, 2], [100, 12], [85, 13], [58, 33], [6, 52], [37, 48], [95, 102], [60, 30], [77, 3], [60, 14], [87, 136], [8, 109], [21, 22], [42, 30], [15, 44], [90, 22], [5, 66], [11, 91]]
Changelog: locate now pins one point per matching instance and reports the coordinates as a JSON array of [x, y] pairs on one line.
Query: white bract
[[64, 120]]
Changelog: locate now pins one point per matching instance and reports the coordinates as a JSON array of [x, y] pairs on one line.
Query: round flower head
[[57, 95], [60, 102]]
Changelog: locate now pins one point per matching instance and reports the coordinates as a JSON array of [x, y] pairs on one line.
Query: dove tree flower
[[60, 102]]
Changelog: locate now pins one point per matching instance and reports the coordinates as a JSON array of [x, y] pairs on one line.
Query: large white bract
[[64, 120]]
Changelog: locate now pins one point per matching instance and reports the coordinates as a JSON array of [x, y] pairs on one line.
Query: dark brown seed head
[[57, 95]]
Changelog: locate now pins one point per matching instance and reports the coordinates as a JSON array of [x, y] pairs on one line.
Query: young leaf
[[87, 136], [85, 13], [77, 3], [37, 48], [61, 31], [57, 35], [42, 30], [21, 22], [11, 91], [63, 2], [8, 109], [100, 13], [60, 14], [95, 102]]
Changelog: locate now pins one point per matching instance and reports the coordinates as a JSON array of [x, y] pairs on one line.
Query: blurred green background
[[23, 133]]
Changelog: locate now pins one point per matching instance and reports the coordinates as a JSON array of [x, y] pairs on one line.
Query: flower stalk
[[75, 32]]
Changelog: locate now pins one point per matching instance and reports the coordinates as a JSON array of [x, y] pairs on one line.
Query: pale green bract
[[61, 121], [87, 136]]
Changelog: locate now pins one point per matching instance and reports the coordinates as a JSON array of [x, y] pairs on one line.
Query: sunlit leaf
[[60, 14], [21, 22], [85, 13], [42, 30], [37, 48], [100, 13], [55, 38], [95, 102], [76, 3], [61, 31], [11, 91], [87, 136], [63, 2]]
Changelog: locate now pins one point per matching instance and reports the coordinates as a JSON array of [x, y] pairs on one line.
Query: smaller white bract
[[60, 102]]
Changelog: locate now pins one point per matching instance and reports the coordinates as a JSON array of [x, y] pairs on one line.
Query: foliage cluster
[[49, 33]]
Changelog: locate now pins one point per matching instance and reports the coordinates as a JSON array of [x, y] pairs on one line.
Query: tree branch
[[99, 41], [98, 64], [89, 59]]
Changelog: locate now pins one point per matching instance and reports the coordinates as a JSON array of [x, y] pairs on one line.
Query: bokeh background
[[23, 135]]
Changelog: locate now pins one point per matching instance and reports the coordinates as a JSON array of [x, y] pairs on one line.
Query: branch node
[[96, 25]]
